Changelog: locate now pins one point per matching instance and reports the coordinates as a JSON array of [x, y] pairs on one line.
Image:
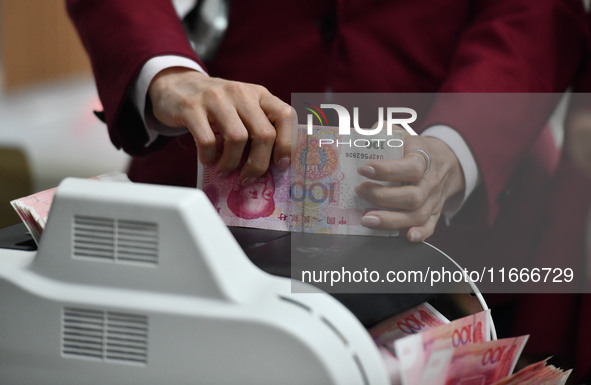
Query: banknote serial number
[[362, 155]]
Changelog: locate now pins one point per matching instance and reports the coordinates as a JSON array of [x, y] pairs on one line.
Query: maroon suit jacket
[[562, 241], [560, 324], [359, 46]]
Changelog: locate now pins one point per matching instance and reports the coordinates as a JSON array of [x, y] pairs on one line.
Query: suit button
[[329, 27]]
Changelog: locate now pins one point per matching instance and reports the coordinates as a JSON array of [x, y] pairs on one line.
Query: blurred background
[[47, 128]]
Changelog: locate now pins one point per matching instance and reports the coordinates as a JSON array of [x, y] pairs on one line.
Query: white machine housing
[[144, 284]]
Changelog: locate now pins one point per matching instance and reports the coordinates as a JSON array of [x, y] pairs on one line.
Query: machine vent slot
[[94, 237], [83, 333], [137, 241], [294, 302], [115, 240], [106, 336], [361, 369], [335, 330]]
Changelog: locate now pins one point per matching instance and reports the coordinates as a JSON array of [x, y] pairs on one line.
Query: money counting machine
[[144, 284]]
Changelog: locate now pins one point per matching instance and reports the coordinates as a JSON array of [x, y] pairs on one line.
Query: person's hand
[[578, 140], [415, 199], [242, 116]]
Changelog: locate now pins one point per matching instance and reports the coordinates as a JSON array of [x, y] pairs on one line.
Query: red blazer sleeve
[[120, 36], [510, 46]]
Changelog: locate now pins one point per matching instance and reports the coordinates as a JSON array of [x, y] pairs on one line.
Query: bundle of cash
[[421, 347], [407, 323], [537, 373], [414, 351], [34, 209], [317, 195]]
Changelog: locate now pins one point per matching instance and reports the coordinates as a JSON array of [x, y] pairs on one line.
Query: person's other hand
[[578, 140], [414, 200], [242, 116]]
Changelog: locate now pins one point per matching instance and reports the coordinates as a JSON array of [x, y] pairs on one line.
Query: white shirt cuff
[[183, 7], [140, 92], [471, 175]]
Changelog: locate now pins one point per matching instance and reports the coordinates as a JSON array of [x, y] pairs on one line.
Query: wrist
[[454, 182], [168, 79]]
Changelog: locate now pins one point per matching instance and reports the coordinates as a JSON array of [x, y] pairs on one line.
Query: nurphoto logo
[[395, 116]]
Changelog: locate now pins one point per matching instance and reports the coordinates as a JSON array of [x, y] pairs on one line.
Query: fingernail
[[367, 171], [361, 191], [414, 236], [223, 174], [248, 181], [370, 221], [284, 163]]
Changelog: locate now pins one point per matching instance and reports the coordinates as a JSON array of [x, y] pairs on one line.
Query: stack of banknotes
[[33, 210], [316, 195], [422, 347]]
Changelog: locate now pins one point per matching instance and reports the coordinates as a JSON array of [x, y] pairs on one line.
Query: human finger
[[420, 233], [279, 114], [392, 220], [234, 135], [404, 197], [410, 169], [262, 138], [199, 127]]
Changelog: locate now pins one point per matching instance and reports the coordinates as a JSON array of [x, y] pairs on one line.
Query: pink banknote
[[264, 205], [537, 373], [413, 351], [317, 195], [409, 322], [480, 363], [392, 365], [412, 321], [34, 209]]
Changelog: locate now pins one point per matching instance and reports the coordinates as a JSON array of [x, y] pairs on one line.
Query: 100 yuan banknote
[[265, 204], [414, 350], [317, 195], [418, 319], [479, 363], [324, 177], [537, 373]]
